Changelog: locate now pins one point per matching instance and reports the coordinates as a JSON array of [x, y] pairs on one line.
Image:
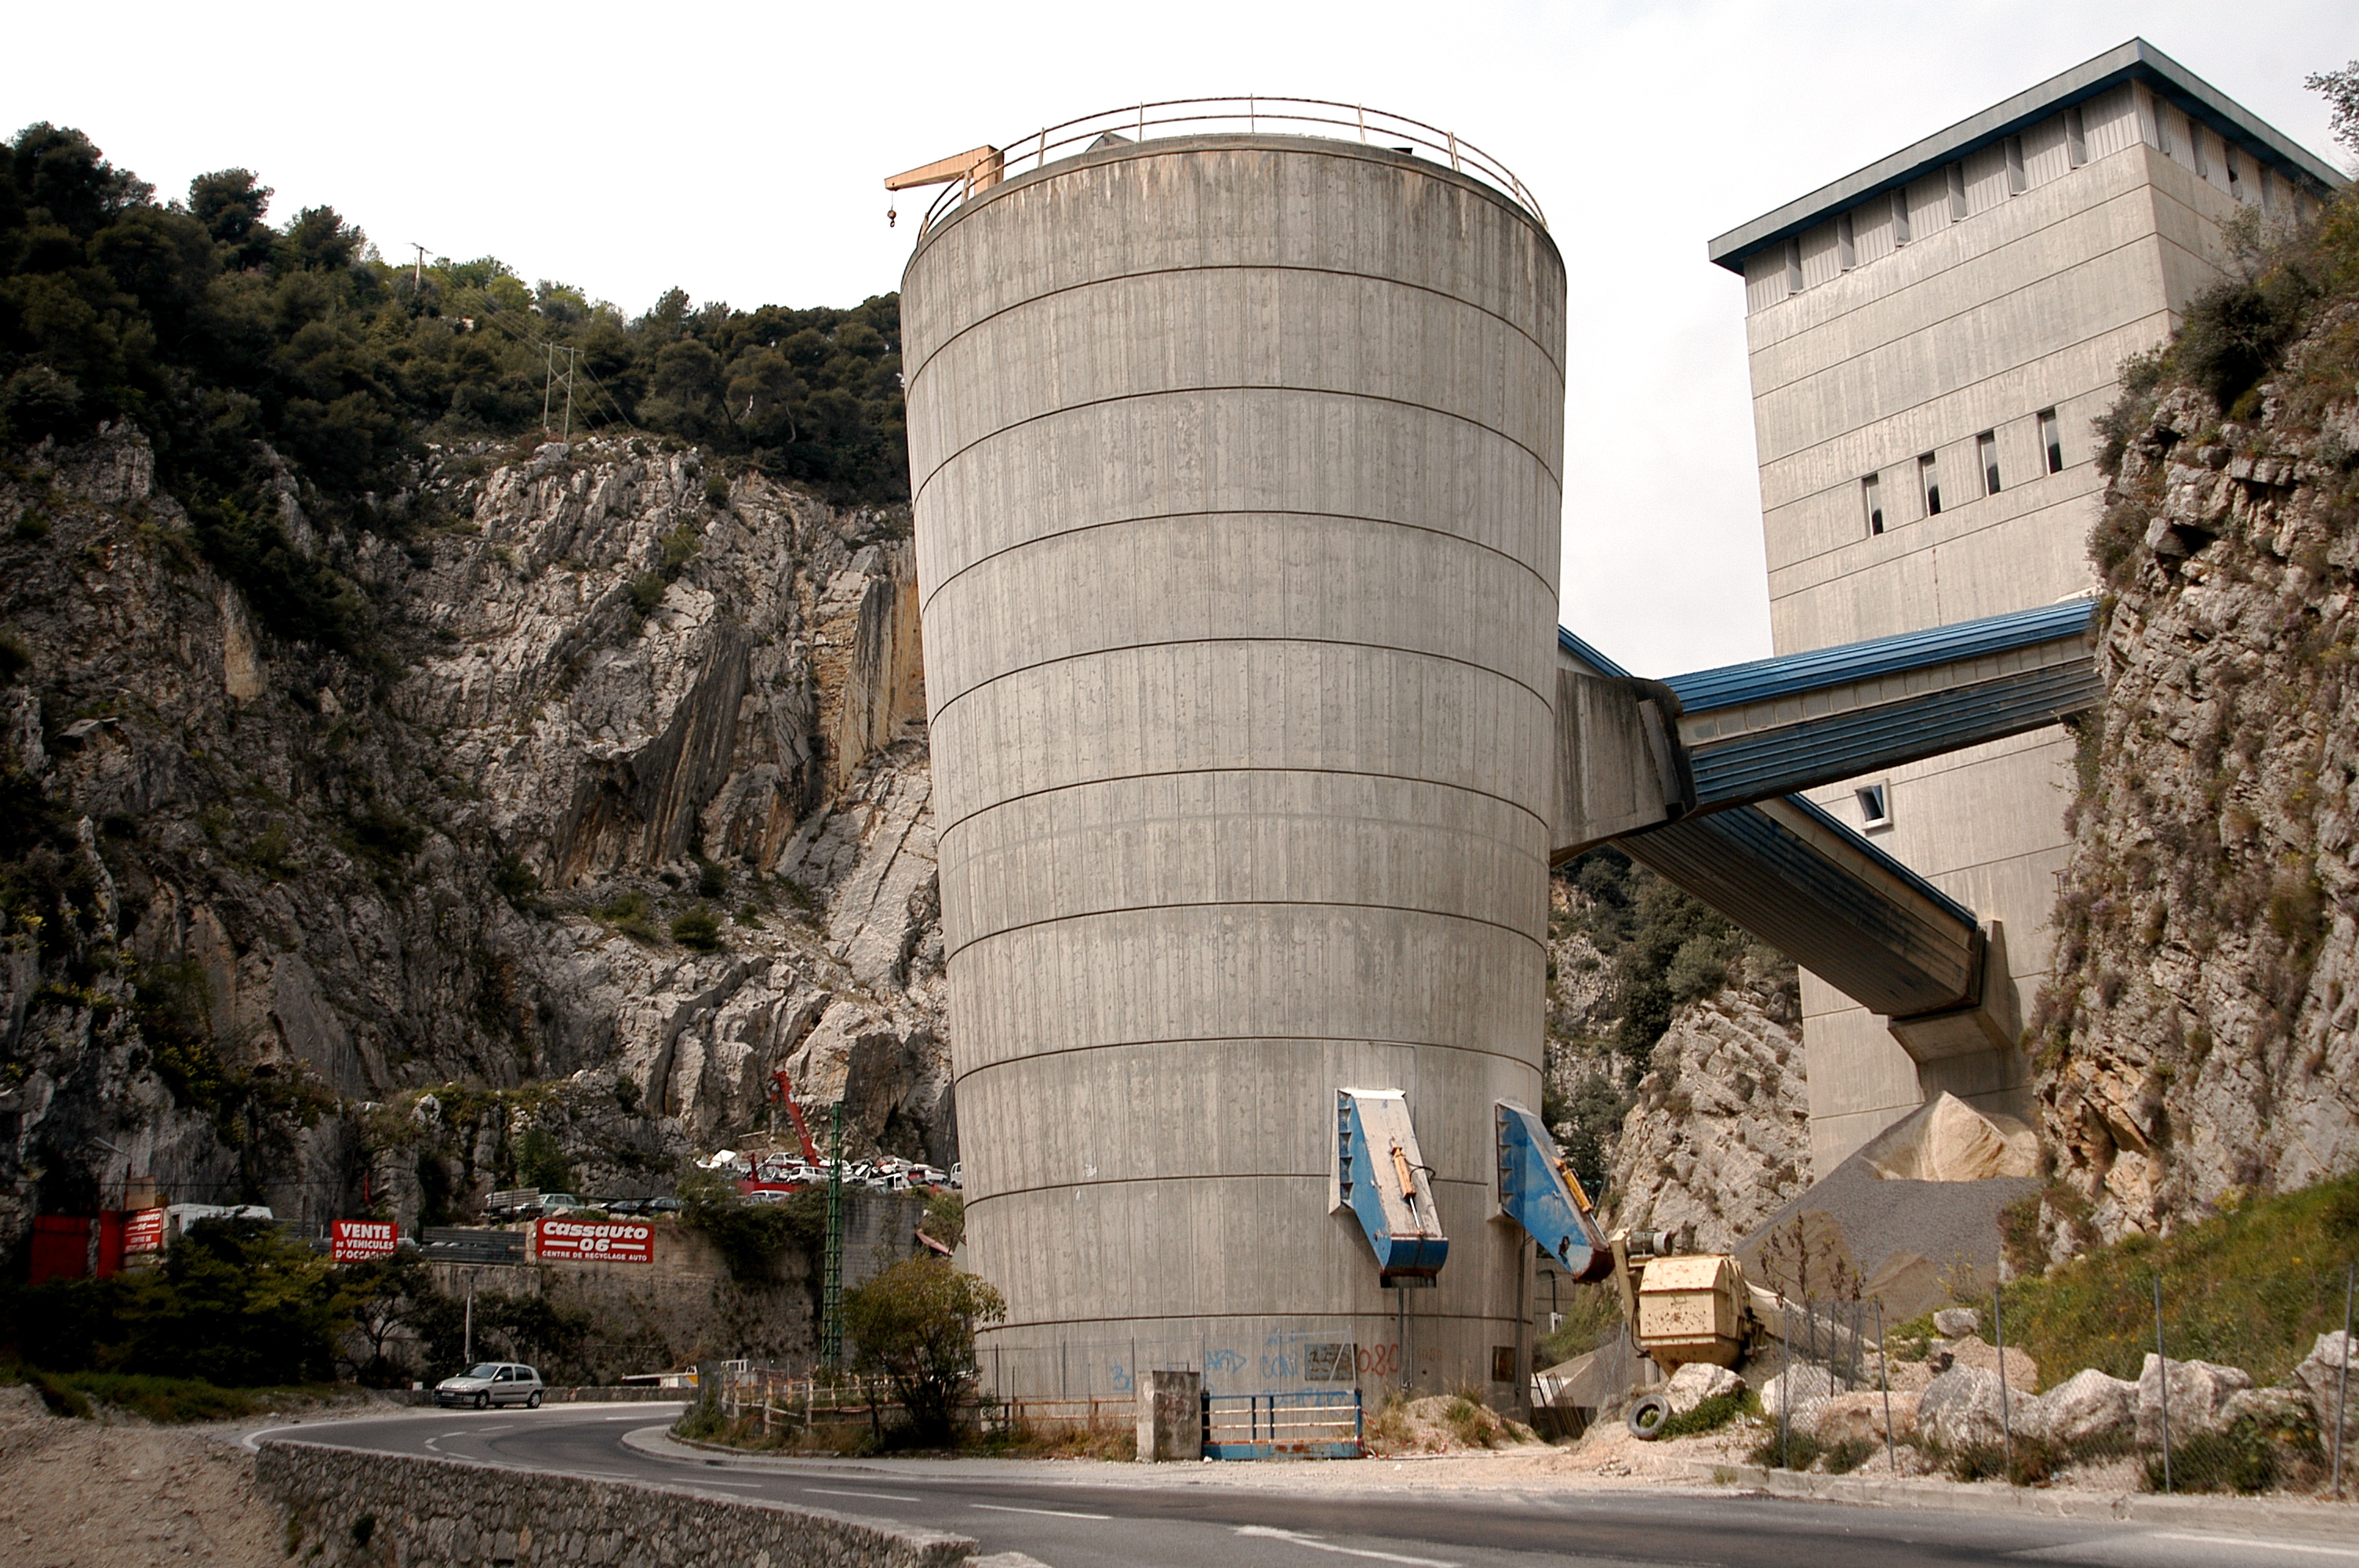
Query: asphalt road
[[1100, 1522]]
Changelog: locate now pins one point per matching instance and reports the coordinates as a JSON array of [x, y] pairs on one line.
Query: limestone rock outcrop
[[2192, 1396], [2083, 1407], [2197, 1038], [622, 807], [1718, 1139]]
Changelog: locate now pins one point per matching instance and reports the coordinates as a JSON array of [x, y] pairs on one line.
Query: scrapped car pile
[[768, 1177]]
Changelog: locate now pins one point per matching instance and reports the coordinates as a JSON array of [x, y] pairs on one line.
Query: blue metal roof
[[1588, 655], [1879, 945], [1815, 751], [1732, 685]]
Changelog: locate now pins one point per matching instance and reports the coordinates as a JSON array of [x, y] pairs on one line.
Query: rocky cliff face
[[1718, 1137], [2198, 1041], [1704, 1131], [259, 896]]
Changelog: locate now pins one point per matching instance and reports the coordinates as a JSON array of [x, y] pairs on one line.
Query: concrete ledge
[[372, 1507], [2337, 1521]]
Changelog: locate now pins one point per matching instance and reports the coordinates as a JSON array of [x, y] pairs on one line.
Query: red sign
[[585, 1242], [143, 1231], [356, 1241]]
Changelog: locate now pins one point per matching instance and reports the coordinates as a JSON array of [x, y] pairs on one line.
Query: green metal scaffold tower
[[830, 1323]]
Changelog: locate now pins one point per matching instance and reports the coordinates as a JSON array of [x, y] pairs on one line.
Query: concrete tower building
[[1237, 470], [1930, 338]]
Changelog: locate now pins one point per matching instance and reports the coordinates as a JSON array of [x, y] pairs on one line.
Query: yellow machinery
[[1683, 1309]]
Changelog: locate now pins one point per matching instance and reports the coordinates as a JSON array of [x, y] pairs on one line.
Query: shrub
[[541, 1164], [1704, 1415], [915, 1323], [1786, 1451], [750, 1238], [697, 927], [629, 913], [647, 591], [515, 881]]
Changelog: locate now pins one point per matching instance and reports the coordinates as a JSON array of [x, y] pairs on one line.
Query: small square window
[[1794, 266], [1871, 499], [1928, 483], [1986, 460], [1875, 805], [2051, 440], [1900, 216]]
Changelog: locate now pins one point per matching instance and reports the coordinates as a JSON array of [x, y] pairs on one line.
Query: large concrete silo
[[1238, 462]]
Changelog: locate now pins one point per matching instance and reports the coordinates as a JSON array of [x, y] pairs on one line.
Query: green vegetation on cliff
[[255, 356]]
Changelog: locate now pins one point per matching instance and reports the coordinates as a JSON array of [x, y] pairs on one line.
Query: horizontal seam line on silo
[[958, 1075], [1318, 1175], [1478, 309], [1334, 391], [955, 698], [1238, 512], [1242, 904], [948, 824]]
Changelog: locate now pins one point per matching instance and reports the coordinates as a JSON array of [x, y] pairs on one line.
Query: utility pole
[[418, 276], [830, 1323], [548, 383]]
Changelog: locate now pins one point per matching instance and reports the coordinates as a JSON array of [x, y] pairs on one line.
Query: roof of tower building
[[2137, 60]]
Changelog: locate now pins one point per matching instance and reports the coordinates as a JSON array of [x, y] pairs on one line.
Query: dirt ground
[[122, 1494]]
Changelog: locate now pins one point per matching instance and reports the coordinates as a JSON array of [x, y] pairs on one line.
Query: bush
[[1787, 1451], [1705, 1416], [541, 1164], [629, 913], [697, 927], [234, 1303], [751, 1238], [915, 1323]]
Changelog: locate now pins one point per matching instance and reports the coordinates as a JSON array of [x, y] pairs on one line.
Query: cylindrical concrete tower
[[1238, 465]]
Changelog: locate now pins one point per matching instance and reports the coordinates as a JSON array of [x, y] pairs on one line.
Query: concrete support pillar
[[1170, 1416]]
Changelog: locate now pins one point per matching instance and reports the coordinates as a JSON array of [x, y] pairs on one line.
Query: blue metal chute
[[1535, 1193], [1384, 1181]]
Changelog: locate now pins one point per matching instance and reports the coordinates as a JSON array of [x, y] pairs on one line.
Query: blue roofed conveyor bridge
[[1699, 779]]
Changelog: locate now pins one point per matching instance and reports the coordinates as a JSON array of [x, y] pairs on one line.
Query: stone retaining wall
[[395, 1510]]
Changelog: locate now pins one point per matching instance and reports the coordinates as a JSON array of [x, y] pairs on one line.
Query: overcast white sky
[[738, 151]]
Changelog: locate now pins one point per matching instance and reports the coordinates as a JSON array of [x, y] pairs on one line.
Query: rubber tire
[[532, 1401], [1647, 1416], [482, 1398]]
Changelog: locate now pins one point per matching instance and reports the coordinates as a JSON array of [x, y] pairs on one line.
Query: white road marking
[[700, 1481], [1316, 1544], [1051, 1513], [2253, 1545], [884, 1497]]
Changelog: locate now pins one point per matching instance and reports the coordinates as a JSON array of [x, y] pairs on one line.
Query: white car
[[489, 1383]]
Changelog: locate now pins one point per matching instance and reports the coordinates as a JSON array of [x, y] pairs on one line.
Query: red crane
[[780, 1089]]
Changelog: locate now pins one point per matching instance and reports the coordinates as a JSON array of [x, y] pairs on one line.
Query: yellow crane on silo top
[[979, 166]]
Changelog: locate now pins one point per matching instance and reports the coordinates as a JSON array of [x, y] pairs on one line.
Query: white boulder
[[1961, 1409], [2198, 1393], [2087, 1406], [1698, 1381]]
